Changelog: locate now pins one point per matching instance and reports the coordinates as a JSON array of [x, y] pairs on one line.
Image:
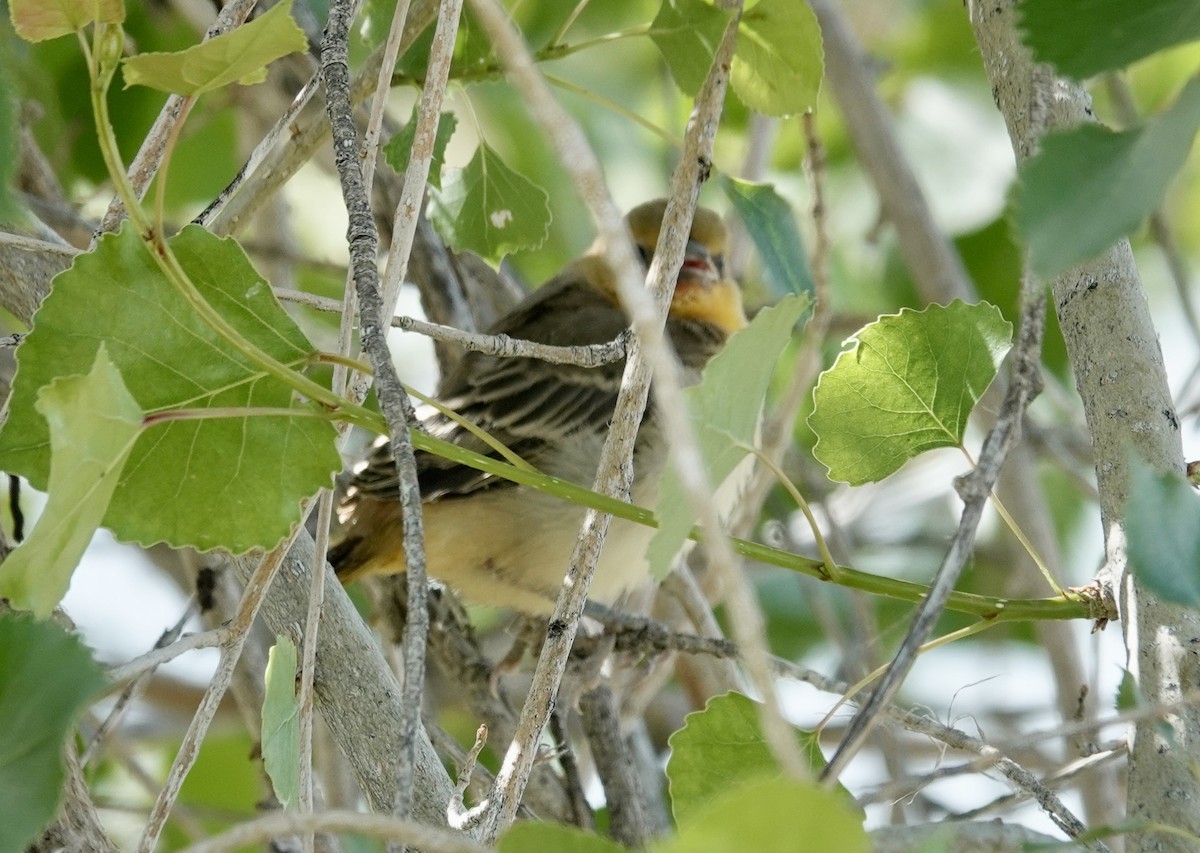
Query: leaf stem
[[1012, 524], [831, 567], [219, 412]]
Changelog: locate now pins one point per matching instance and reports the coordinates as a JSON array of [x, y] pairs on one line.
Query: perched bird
[[503, 544]]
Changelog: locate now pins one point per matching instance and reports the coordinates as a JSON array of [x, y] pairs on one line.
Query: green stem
[[169, 264], [1073, 606], [345, 361], [220, 412], [830, 565]]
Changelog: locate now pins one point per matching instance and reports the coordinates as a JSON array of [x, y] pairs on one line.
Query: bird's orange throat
[[719, 303]]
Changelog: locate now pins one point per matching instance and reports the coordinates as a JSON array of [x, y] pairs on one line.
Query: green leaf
[[686, 33], [397, 151], [10, 208], [1162, 526], [47, 677], [1129, 696], [41, 20], [724, 409], [534, 837], [1082, 38], [769, 221], [489, 209], [239, 56], [1087, 187], [281, 723], [771, 816], [906, 385], [93, 424], [233, 482], [779, 59], [720, 747]]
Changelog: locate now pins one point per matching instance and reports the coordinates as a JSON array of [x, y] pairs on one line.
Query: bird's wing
[[527, 404]]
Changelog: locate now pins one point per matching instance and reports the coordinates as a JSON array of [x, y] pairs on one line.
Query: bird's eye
[[645, 254], [719, 263]]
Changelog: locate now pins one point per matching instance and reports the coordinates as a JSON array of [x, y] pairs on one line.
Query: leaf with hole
[[489, 208]]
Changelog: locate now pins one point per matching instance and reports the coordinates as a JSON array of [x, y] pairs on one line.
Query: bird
[[507, 545]]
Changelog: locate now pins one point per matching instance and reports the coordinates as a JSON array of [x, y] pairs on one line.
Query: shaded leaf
[[399, 147], [906, 385], [1088, 187], [724, 408], [47, 677], [1082, 38], [769, 221], [779, 60], [93, 423], [686, 33], [488, 208], [233, 482], [41, 20], [281, 723], [1162, 526], [239, 56]]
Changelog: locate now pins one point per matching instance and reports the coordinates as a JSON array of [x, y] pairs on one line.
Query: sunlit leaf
[[719, 747], [488, 208], [686, 33], [778, 60], [906, 385], [772, 816], [724, 409], [93, 423], [40, 20], [234, 482], [239, 56], [47, 677], [1088, 187]]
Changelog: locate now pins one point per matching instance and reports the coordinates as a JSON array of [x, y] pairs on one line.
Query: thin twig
[[273, 165], [161, 654], [502, 346], [279, 824], [363, 243], [133, 689], [989, 754], [239, 628]]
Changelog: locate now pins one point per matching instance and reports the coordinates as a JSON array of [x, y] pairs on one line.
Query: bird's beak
[[698, 266]]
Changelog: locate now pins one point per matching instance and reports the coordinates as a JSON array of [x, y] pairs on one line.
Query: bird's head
[[702, 290]]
